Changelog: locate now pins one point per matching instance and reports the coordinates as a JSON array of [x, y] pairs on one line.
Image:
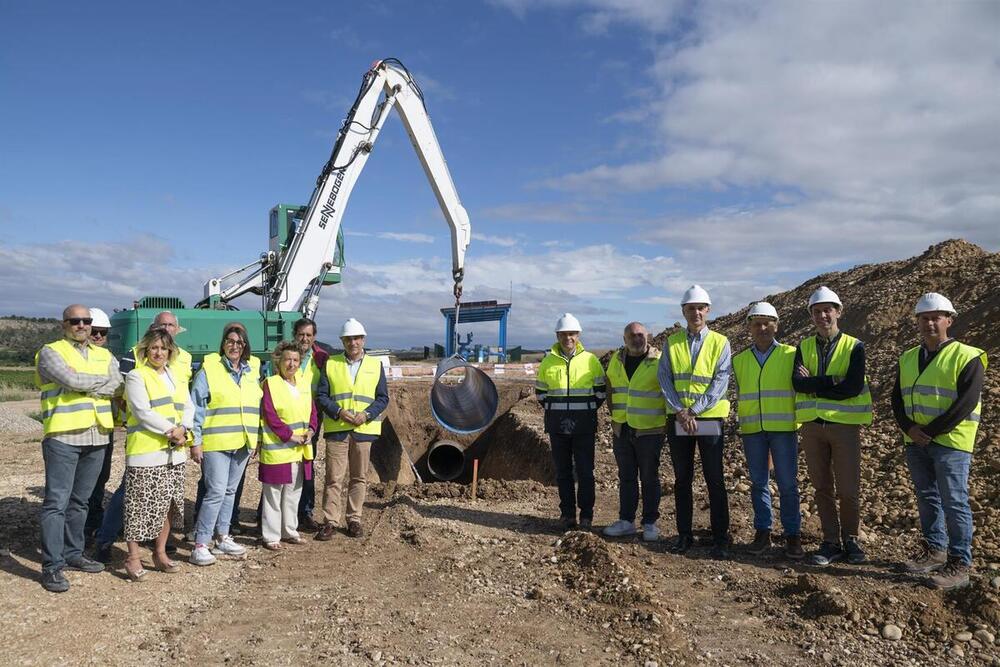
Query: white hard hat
[[568, 323], [696, 294], [99, 319], [352, 328], [824, 294], [762, 309], [933, 301]]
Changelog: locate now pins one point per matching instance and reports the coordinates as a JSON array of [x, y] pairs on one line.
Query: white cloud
[[407, 237], [504, 241]]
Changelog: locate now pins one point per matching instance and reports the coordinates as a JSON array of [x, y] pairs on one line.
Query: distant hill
[[20, 337]]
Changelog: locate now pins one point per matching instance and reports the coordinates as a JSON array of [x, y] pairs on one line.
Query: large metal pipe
[[446, 460], [463, 401]]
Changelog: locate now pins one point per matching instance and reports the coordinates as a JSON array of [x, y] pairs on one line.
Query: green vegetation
[[17, 384], [20, 338]]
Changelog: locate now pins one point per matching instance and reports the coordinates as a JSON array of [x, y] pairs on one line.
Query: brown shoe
[[354, 529], [761, 543], [926, 559], [326, 532], [793, 547], [954, 574]]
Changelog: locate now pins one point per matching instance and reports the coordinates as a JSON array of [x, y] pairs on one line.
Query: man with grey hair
[[77, 380]]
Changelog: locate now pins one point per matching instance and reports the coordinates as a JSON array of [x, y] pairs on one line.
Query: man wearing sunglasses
[[77, 380]]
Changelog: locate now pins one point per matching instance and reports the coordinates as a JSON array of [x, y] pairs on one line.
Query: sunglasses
[[78, 320], [230, 341], [98, 332]]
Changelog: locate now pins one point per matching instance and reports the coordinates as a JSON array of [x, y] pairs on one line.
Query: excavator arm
[[296, 279]]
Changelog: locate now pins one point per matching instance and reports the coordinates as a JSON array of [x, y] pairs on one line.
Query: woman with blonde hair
[[289, 420], [160, 418]]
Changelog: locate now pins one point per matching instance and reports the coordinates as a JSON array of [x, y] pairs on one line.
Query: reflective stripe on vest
[[64, 410], [570, 384], [354, 396], [639, 401], [232, 417], [294, 411], [140, 440], [855, 410], [929, 394], [766, 396], [692, 383]]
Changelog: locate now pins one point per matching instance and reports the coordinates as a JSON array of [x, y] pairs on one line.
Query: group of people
[[234, 409], [814, 395]]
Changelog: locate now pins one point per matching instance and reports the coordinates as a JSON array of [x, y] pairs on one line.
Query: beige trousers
[[346, 462], [833, 459], [280, 513]]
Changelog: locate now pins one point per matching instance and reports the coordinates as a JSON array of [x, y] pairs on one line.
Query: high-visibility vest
[[310, 374], [180, 367], [855, 410], [169, 405], [570, 384], [927, 395], [66, 410], [354, 396], [232, 417], [295, 412], [766, 396], [637, 401], [692, 383]]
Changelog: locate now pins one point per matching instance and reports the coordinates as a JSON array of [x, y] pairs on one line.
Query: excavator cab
[[285, 219]]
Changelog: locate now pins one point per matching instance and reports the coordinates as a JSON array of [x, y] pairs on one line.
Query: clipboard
[[705, 427]]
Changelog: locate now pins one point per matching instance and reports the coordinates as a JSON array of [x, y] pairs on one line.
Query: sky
[[610, 152]]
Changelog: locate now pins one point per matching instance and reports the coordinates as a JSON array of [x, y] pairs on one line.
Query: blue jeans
[[638, 458], [114, 517], [95, 506], [784, 451], [941, 478], [70, 474], [222, 472]]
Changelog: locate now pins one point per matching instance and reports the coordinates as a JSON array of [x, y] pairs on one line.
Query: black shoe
[[102, 553], [84, 564], [354, 529], [761, 543], [54, 581], [682, 543], [307, 524], [720, 550], [827, 554], [586, 523], [567, 523], [236, 528], [855, 554], [170, 549]]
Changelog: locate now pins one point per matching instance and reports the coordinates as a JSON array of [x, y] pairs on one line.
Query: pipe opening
[[446, 460], [463, 398]]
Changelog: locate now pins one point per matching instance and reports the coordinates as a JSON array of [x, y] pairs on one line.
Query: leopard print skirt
[[149, 494]]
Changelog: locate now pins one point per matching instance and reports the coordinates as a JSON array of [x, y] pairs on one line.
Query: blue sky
[[610, 152]]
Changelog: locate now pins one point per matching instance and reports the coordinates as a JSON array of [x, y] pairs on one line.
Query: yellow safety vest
[[354, 396], [856, 410], [692, 383], [169, 406], [65, 410], [232, 417], [927, 395], [766, 396], [569, 384], [639, 401], [311, 374], [295, 412]]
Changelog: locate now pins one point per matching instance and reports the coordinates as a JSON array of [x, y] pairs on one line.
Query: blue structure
[[476, 311]]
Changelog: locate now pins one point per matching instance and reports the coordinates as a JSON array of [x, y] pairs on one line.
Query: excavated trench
[[512, 447]]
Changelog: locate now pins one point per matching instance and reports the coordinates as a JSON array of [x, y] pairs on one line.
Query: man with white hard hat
[[832, 403], [100, 327], [937, 401], [694, 376], [766, 411], [353, 395], [571, 386]]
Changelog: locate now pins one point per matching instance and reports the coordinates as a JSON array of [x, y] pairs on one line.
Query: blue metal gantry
[[476, 311]]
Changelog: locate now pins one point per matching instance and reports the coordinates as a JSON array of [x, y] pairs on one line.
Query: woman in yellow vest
[[288, 420], [226, 394], [937, 401], [158, 431]]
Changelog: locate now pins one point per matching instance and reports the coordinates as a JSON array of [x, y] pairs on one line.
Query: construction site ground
[[440, 579]]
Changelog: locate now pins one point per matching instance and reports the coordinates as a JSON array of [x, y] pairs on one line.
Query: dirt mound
[[487, 489], [879, 300], [980, 601], [588, 566]]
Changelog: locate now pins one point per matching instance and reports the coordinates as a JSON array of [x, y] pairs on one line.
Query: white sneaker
[[225, 546], [200, 555], [650, 533], [620, 528]]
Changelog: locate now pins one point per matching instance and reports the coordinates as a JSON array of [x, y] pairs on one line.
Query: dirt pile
[[878, 309]]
